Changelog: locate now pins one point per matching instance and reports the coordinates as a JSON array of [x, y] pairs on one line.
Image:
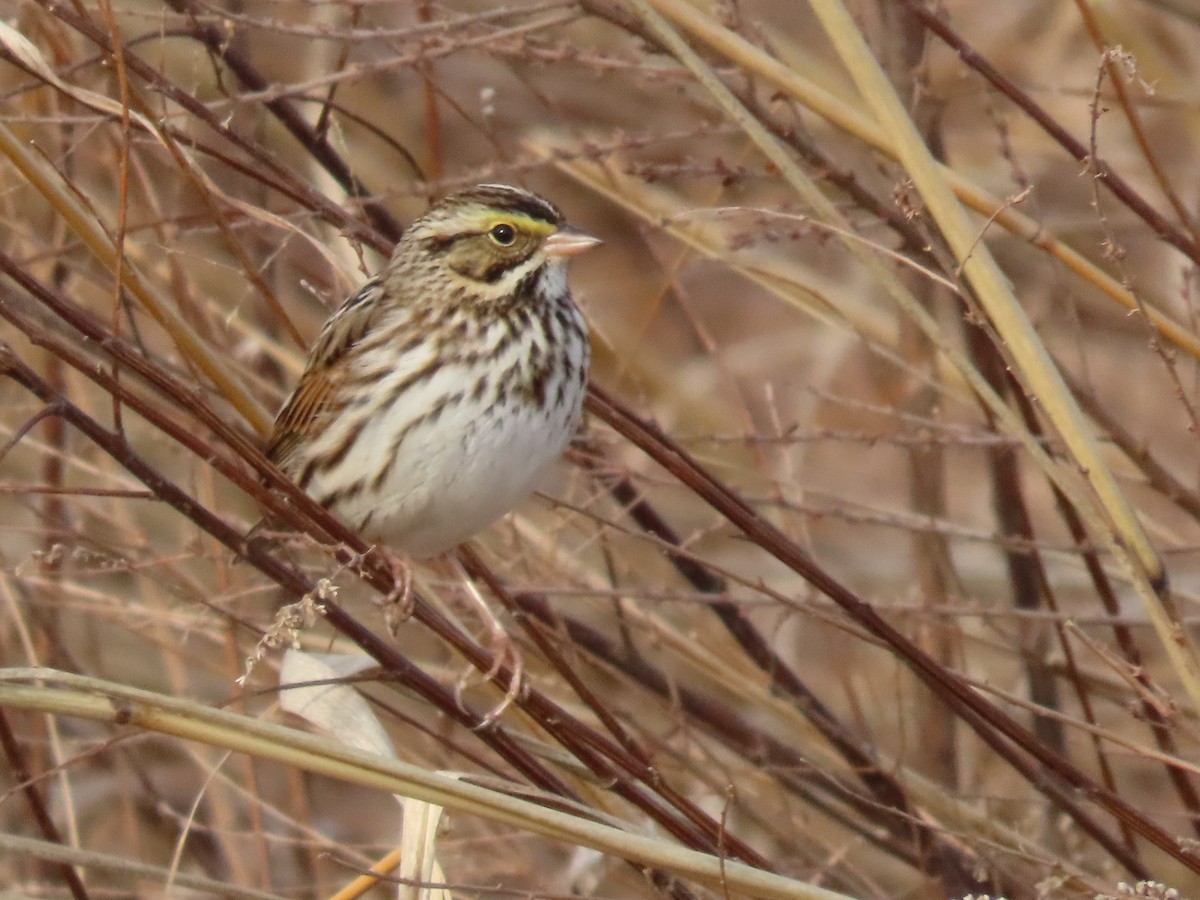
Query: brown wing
[[304, 411]]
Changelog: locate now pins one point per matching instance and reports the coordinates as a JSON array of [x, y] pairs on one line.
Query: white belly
[[445, 477], [454, 477]]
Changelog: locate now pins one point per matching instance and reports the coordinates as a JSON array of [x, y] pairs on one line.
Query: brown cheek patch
[[489, 264], [495, 271], [469, 258]]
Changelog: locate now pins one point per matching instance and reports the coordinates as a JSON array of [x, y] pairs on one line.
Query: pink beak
[[568, 241]]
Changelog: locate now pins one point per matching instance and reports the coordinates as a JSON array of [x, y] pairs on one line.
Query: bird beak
[[568, 241]]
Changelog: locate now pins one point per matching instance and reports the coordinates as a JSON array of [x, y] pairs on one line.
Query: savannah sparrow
[[440, 390]]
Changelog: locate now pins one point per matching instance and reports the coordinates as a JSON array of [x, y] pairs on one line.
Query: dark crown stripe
[[509, 199]]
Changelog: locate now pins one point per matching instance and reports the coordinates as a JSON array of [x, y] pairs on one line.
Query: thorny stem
[[22, 781], [992, 725], [941, 858], [297, 503], [696, 830], [1113, 182], [619, 411]]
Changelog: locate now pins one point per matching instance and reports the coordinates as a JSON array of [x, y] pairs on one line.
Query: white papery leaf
[[336, 709], [340, 711]]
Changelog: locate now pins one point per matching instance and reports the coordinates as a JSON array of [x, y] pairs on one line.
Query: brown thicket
[[874, 568]]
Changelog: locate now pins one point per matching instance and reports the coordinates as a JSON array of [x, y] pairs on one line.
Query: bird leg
[[502, 648], [400, 600]]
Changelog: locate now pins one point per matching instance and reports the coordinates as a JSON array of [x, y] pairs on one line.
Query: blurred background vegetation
[[843, 580]]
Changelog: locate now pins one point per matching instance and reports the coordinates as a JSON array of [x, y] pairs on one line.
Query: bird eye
[[503, 234]]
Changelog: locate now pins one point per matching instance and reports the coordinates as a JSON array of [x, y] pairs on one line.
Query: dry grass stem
[[874, 573]]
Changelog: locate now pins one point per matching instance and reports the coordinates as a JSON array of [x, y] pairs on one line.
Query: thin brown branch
[[23, 781], [303, 513], [992, 725], [1118, 186]]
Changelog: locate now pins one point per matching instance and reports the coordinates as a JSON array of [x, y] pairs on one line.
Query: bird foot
[[503, 652], [399, 603]]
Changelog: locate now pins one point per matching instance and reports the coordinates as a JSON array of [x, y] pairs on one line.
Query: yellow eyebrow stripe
[[519, 221]]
